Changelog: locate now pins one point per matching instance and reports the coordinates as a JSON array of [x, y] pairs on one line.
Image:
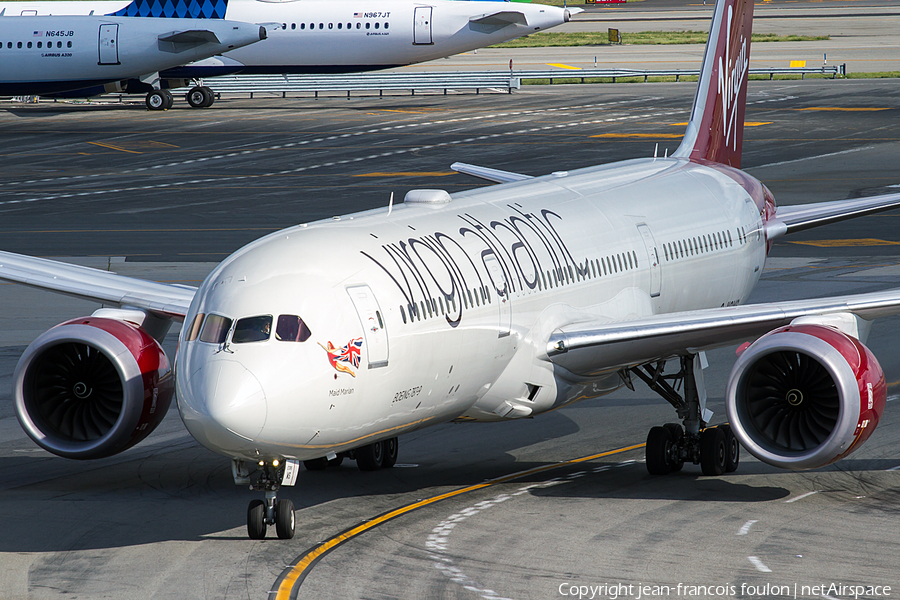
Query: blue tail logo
[[177, 9]]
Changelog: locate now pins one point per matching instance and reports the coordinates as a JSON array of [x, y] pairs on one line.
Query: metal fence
[[444, 81]]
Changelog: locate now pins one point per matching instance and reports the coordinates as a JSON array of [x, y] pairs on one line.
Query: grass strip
[[598, 38]]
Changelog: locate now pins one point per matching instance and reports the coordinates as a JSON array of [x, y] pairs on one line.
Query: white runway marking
[[801, 497], [320, 139], [787, 162], [745, 528], [437, 546], [759, 565]]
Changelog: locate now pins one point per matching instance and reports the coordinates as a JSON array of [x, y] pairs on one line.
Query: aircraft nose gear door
[[422, 26], [372, 320], [653, 256], [109, 45]]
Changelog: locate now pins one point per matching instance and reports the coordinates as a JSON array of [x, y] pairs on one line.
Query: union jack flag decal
[[349, 354]]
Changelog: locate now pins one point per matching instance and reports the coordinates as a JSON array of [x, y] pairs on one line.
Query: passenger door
[[372, 320], [422, 26], [109, 44], [653, 256]]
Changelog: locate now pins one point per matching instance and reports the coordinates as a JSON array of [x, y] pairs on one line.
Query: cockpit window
[[291, 328], [215, 329], [252, 329], [194, 331]]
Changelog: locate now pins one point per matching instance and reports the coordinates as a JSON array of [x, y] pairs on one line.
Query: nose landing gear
[[261, 514]]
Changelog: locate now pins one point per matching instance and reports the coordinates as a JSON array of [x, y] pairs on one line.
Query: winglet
[[716, 129]]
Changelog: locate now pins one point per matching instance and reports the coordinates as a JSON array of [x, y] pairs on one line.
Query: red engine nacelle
[[92, 387], [804, 396]]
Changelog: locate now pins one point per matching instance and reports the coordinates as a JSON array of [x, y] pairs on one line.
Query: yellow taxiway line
[[288, 584]]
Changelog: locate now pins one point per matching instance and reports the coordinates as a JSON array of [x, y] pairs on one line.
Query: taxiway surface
[[174, 192]]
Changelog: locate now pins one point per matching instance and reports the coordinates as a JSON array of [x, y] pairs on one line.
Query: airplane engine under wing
[[92, 387], [804, 396]]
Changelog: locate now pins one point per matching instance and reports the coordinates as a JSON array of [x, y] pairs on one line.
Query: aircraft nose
[[223, 405]]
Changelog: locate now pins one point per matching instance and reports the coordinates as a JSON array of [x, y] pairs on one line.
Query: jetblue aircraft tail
[[716, 129], [182, 9]]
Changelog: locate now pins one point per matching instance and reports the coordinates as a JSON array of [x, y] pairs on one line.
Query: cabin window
[[194, 329], [386, 25], [40, 45], [331, 26], [29, 44], [215, 329], [340, 25], [252, 329], [68, 44], [730, 241], [291, 328], [302, 25], [403, 314], [368, 25], [621, 266], [293, 26], [441, 304], [283, 26], [594, 268], [376, 24], [321, 25], [358, 25]]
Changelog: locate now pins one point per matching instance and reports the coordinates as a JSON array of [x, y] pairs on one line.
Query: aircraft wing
[[586, 348], [790, 219], [165, 299], [495, 175], [501, 17]]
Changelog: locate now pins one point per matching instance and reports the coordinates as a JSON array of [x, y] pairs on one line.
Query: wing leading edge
[[163, 299], [585, 348]]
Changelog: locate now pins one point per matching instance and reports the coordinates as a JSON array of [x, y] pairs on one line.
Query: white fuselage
[[348, 35], [451, 303], [54, 54]]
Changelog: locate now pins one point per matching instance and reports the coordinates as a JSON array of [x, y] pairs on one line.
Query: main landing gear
[[371, 457], [159, 100], [261, 514], [200, 96], [715, 449]]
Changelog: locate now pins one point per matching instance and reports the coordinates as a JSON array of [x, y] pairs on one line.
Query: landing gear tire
[[370, 457], [732, 449], [284, 520], [316, 464], [256, 520], [676, 463], [159, 100], [391, 449], [200, 97], [713, 451], [659, 441]]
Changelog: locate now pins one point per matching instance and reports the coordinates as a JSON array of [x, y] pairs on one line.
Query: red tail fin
[[716, 129]]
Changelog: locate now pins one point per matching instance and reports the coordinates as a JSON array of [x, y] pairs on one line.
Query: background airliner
[[331, 339], [324, 36], [52, 55]]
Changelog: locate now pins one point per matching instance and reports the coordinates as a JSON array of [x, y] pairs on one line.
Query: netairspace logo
[[639, 591]]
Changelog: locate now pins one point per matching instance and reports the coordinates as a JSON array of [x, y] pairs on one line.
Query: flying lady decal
[[348, 354]]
